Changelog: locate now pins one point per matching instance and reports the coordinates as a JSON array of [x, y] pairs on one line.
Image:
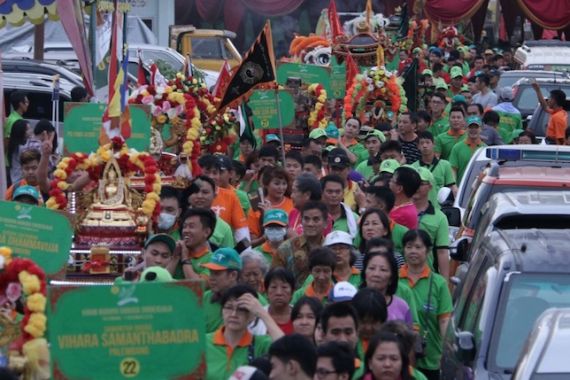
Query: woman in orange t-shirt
[[274, 194]]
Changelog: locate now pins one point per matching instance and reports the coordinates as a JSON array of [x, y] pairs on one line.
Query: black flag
[[258, 67], [410, 85]]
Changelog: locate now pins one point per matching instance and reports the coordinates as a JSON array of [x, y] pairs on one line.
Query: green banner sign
[[82, 124], [263, 104], [338, 79], [129, 330], [36, 233], [308, 73]]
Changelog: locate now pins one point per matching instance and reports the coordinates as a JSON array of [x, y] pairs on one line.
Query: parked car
[[31, 66], [516, 275], [508, 78], [524, 96], [507, 156], [544, 354], [544, 55], [539, 120], [512, 210]]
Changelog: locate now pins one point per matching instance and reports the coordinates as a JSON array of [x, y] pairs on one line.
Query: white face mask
[[166, 221], [275, 234]]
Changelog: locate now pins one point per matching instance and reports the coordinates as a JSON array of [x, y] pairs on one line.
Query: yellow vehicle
[[208, 48]]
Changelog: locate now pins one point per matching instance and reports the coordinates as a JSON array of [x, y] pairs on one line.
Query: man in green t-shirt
[[440, 122], [372, 141], [445, 142], [193, 249], [224, 265], [434, 222], [463, 151], [439, 168], [510, 118], [158, 251], [170, 211], [19, 102]]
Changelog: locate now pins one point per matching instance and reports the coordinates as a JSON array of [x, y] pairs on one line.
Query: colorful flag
[[71, 17], [336, 28], [258, 67], [125, 120], [110, 120], [156, 78], [351, 70], [223, 80]]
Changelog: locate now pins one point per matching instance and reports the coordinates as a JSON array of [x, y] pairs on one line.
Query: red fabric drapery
[[209, 10], [549, 14], [451, 11], [272, 8], [233, 15]]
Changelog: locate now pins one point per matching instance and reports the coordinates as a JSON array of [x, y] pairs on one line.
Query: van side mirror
[[459, 249], [453, 215], [465, 346]]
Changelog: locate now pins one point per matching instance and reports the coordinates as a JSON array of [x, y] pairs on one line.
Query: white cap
[[342, 291], [338, 237]]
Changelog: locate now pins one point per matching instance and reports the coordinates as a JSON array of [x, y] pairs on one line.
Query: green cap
[[275, 216], [456, 72], [317, 133], [425, 174], [223, 259], [389, 166], [27, 190], [155, 274], [458, 98], [163, 238], [440, 83], [427, 72], [375, 133], [473, 120], [332, 131]]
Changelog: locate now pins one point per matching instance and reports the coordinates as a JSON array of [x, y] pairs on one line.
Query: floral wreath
[[219, 133], [130, 162], [317, 117], [32, 283], [373, 85]]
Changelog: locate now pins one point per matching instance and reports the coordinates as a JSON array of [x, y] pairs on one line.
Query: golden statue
[[111, 205]]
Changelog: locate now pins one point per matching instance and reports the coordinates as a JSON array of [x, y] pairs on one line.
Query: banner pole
[[280, 125]]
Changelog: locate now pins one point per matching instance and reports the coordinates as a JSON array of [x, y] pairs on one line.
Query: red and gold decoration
[[130, 163], [220, 133], [317, 117], [22, 279]]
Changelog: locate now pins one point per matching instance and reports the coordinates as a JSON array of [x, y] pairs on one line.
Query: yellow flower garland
[[316, 117]]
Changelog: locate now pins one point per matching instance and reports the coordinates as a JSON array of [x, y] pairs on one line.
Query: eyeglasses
[[323, 372], [235, 309]]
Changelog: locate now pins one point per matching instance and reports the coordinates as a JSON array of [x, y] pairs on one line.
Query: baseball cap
[[425, 174], [506, 94], [458, 98], [332, 131], [275, 216], [494, 73], [163, 238], [337, 157], [224, 162], [427, 72], [26, 190], [456, 72], [437, 51], [375, 133], [473, 120], [155, 274], [247, 372], [489, 51], [272, 137], [440, 83], [317, 133], [223, 259], [389, 166], [338, 237], [342, 291]]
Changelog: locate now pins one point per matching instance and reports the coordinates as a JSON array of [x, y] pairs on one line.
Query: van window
[[526, 296], [40, 104]]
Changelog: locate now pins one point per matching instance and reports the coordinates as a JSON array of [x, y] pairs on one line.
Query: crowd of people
[[330, 261]]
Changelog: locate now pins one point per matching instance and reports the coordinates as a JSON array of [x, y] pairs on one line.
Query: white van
[[544, 55]]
